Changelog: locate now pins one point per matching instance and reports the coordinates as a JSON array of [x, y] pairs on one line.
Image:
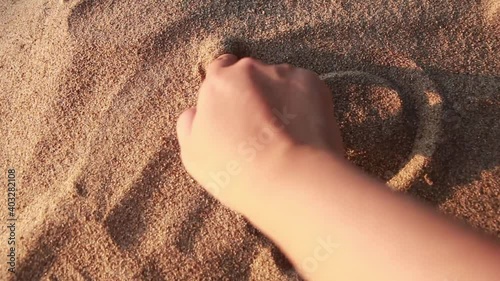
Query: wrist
[[292, 174]]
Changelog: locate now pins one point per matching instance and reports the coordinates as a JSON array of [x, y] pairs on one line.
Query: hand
[[249, 117], [263, 141]]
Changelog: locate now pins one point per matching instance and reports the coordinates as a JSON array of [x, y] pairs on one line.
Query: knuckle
[[248, 62], [284, 69], [287, 66], [309, 74]]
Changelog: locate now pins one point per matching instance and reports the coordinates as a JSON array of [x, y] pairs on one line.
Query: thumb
[[184, 123]]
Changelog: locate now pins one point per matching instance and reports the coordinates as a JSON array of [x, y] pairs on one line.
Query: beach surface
[[90, 92]]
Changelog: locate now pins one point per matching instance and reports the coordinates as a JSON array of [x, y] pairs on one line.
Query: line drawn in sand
[[428, 105]]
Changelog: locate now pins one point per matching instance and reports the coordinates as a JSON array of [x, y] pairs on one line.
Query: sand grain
[[90, 92]]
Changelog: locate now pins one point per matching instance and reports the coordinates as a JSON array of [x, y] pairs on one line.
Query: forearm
[[335, 223]]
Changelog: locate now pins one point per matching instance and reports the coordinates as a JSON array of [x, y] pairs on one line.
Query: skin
[[263, 140]]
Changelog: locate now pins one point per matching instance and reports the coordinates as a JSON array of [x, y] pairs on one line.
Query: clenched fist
[[249, 118]]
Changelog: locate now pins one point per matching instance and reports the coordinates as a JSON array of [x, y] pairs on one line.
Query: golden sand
[[90, 92]]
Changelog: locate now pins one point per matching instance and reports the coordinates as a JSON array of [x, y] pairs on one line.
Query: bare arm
[[263, 140], [335, 223]]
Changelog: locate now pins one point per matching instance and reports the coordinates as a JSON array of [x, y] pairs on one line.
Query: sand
[[90, 92]]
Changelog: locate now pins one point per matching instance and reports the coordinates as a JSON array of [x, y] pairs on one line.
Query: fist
[[249, 118]]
